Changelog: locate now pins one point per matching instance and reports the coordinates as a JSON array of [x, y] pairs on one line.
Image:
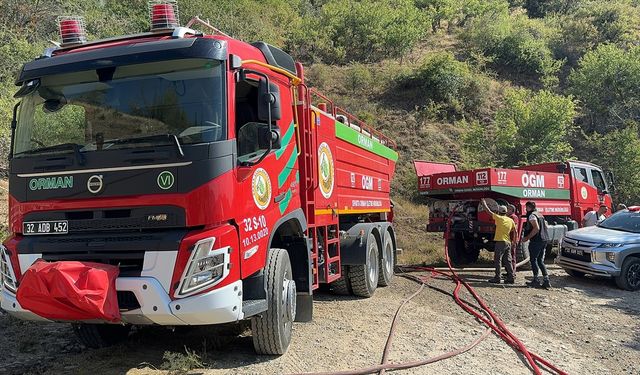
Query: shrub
[[619, 151], [362, 31], [443, 80], [515, 43], [530, 128], [607, 83], [594, 23]]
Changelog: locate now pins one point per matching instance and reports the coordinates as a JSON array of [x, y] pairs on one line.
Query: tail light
[[164, 14], [72, 30]]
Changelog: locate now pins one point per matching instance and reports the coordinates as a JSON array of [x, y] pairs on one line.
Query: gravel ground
[[584, 326]]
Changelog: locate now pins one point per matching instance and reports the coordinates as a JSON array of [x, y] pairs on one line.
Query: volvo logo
[[95, 184]]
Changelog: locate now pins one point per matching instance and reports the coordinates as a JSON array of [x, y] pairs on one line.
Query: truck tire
[[574, 273], [455, 250], [271, 330], [522, 253], [364, 277], [96, 336], [342, 286], [387, 262], [629, 278]]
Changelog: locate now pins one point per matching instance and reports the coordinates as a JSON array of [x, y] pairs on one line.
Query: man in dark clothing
[[537, 246], [511, 212]]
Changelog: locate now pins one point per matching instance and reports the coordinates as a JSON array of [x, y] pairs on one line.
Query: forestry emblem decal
[[326, 170], [261, 188]]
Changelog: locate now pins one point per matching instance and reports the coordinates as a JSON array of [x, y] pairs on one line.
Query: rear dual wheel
[[364, 277]]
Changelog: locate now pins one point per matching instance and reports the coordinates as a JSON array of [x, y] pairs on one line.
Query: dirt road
[[585, 326]]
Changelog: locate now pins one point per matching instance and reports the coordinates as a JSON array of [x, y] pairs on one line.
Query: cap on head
[[502, 209]]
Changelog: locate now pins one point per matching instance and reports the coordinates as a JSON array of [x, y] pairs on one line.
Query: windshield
[[627, 221], [124, 107]]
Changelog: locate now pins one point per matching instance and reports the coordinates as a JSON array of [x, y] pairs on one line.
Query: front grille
[[116, 219], [130, 263], [127, 301]]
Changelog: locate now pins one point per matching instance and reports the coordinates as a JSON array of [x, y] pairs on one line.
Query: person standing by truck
[[511, 212], [505, 227], [592, 218], [536, 234]]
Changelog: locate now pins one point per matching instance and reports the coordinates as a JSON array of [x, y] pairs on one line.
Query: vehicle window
[[581, 174], [626, 221], [598, 180], [124, 107]]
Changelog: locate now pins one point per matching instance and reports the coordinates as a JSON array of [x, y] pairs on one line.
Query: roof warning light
[[164, 14], [72, 30]]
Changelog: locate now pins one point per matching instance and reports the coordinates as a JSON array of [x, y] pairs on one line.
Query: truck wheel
[[574, 273], [387, 262], [271, 330], [455, 249], [364, 277], [629, 278], [96, 336], [342, 285], [522, 253]]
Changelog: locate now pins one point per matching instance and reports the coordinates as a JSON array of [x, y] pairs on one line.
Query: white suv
[[610, 249]]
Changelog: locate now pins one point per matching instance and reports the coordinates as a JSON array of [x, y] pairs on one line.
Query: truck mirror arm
[[14, 125]]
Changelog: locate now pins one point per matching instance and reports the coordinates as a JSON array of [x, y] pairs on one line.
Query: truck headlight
[[610, 245], [7, 278], [206, 267]]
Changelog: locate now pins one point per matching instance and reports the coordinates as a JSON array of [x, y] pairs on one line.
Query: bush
[[607, 84], [363, 31], [449, 84], [619, 151], [595, 23], [459, 12], [515, 43], [530, 128]]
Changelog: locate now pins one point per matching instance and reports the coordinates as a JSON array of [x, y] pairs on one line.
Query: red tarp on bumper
[[70, 291]]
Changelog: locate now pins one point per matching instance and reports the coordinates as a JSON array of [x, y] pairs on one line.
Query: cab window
[[598, 180], [581, 174]]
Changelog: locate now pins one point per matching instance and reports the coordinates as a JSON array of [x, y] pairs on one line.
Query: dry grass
[[418, 246]]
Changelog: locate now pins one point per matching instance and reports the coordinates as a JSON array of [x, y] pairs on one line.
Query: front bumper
[[587, 267], [222, 305]]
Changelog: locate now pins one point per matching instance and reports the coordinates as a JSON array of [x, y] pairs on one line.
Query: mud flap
[[304, 307]]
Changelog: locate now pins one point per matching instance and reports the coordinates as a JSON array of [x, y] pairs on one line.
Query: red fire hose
[[482, 312]]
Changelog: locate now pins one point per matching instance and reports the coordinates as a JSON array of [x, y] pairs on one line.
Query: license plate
[[31, 228]]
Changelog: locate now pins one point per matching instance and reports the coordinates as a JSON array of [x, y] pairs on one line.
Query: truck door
[[268, 180], [583, 193]]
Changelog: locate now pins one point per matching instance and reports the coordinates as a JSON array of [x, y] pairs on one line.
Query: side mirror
[[268, 100]]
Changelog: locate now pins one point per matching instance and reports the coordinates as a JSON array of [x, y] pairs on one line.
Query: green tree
[[530, 128], [516, 44], [619, 152], [363, 31], [607, 84]]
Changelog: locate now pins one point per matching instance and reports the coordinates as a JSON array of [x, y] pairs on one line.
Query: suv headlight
[[7, 278], [611, 245], [206, 267]]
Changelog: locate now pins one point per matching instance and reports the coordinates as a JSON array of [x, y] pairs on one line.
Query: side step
[[254, 307]]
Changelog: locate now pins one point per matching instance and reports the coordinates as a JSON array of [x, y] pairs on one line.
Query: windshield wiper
[[61, 147], [171, 137]]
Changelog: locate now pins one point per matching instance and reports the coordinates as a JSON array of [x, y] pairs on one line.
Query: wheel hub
[[289, 299]]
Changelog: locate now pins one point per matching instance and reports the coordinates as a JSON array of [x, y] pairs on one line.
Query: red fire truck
[[563, 192], [203, 170]]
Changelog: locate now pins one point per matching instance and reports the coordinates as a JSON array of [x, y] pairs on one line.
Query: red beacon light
[[164, 14], [72, 30]]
